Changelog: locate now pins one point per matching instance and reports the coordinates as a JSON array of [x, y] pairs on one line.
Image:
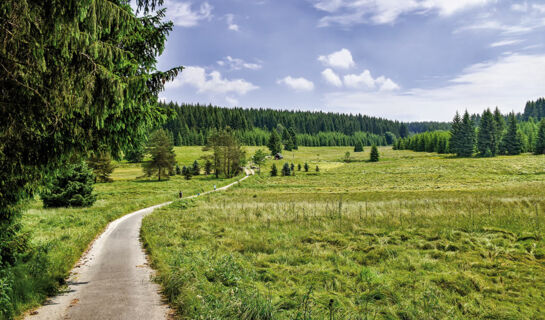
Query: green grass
[[60, 236], [415, 236]]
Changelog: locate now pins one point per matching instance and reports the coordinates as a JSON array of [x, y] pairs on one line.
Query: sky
[[408, 60]]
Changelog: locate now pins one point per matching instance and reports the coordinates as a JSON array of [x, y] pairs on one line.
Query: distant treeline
[[534, 109], [495, 134], [191, 125], [435, 141]]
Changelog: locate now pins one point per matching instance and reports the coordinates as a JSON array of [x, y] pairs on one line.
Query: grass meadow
[[61, 235], [414, 236]]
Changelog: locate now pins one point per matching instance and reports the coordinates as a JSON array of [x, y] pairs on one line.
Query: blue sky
[[398, 59]]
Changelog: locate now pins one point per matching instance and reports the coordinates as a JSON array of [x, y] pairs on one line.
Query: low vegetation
[[414, 236], [59, 236]]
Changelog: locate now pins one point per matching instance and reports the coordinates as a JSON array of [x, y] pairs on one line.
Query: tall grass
[[415, 236], [60, 236]]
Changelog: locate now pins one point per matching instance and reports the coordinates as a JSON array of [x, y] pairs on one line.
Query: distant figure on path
[[214, 187], [181, 194]]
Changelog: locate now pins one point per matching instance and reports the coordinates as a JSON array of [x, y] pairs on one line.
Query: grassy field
[[61, 235], [415, 236]]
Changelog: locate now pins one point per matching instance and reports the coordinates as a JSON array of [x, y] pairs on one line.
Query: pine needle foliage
[[374, 156], [74, 75], [72, 187]]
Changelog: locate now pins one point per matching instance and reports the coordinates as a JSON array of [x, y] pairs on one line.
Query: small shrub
[[358, 147], [286, 170], [274, 171], [73, 187], [374, 157], [196, 170]]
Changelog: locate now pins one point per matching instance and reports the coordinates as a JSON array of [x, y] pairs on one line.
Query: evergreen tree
[[287, 140], [403, 130], [162, 155], [178, 170], [72, 187], [293, 138], [208, 167], [456, 136], [306, 167], [540, 141], [512, 142], [347, 157], [286, 170], [317, 168], [178, 140], [102, 166], [374, 156], [486, 139], [298, 167], [467, 137], [499, 122], [292, 167], [358, 147], [188, 174], [184, 170], [275, 143], [274, 170], [196, 170], [74, 75]]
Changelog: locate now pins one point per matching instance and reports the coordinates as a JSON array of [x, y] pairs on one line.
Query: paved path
[[112, 280]]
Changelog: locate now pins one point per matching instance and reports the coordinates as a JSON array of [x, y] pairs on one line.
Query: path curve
[[112, 280]]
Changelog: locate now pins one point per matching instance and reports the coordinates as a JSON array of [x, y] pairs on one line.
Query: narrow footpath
[[113, 280]]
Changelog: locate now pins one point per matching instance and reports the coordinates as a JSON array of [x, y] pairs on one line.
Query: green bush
[[72, 187], [374, 157], [286, 170], [274, 171]]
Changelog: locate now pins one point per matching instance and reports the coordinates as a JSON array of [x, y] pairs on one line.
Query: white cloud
[[366, 81], [341, 59], [504, 43], [332, 78], [181, 14], [386, 84], [350, 12], [211, 82], [359, 81], [298, 84], [525, 7], [238, 64], [507, 82], [506, 29], [231, 25], [520, 7]]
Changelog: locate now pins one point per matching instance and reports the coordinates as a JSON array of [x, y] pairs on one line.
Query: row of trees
[[186, 117], [260, 137], [289, 170], [433, 141], [534, 109], [191, 125], [495, 135], [227, 158]]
